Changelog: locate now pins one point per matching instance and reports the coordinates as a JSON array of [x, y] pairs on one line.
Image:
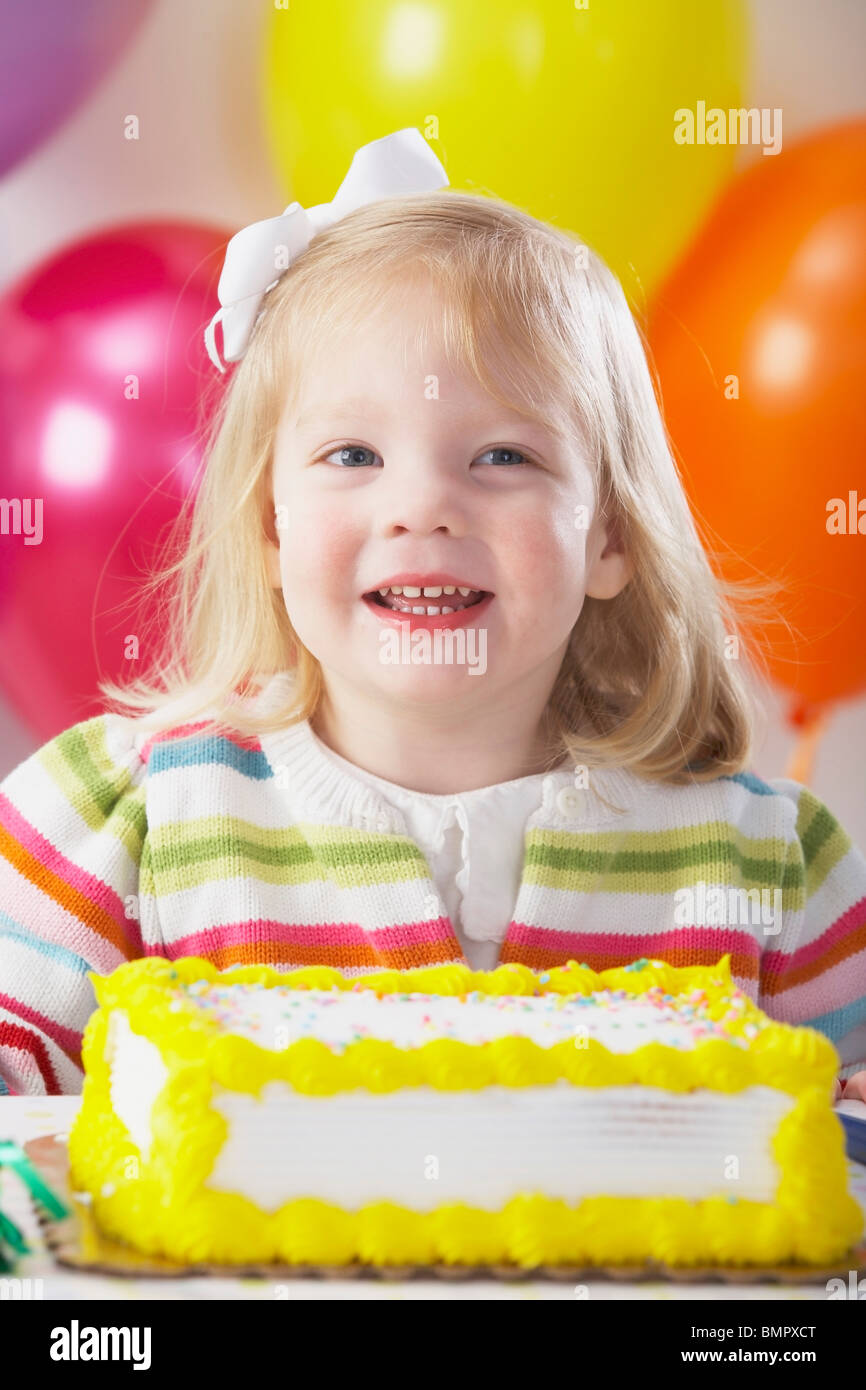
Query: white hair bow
[[399, 163]]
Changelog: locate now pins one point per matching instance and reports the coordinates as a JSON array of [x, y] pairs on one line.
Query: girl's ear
[[612, 569]]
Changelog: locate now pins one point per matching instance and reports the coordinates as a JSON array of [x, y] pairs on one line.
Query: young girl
[[448, 675]]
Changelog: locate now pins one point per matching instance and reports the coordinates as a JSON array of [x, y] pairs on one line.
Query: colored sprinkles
[[341, 1017]]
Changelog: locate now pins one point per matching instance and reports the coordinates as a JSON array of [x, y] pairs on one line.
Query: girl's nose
[[423, 501]]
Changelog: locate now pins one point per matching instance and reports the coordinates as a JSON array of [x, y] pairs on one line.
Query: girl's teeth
[[430, 591], [433, 612]]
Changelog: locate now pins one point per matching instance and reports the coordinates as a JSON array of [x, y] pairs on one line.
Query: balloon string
[[811, 720]]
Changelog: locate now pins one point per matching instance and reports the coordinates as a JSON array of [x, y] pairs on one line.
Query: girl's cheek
[[547, 547], [323, 548]]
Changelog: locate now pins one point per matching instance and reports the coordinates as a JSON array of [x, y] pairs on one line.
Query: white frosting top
[[275, 1017]]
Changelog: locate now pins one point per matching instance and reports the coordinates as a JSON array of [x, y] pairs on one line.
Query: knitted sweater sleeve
[[813, 971], [72, 827]]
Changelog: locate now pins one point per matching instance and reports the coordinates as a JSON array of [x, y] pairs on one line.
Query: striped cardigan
[[116, 844]]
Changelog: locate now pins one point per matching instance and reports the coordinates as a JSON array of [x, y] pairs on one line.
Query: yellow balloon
[[567, 108]]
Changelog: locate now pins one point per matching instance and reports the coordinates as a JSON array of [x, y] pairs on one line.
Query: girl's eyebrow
[[353, 406]]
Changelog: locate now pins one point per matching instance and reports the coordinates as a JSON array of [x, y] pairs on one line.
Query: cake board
[[76, 1243]]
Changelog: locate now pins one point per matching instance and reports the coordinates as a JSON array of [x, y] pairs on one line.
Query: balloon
[[568, 112], [52, 54], [102, 362], [759, 338]]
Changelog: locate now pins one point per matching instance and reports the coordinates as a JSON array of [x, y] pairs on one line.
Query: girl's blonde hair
[[652, 680]]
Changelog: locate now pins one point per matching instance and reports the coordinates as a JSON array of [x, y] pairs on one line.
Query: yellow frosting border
[[160, 1204]]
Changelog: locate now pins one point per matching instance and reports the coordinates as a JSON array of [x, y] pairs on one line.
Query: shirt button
[[569, 801]]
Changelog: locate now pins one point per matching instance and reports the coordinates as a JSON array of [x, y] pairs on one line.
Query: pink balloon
[[102, 371]]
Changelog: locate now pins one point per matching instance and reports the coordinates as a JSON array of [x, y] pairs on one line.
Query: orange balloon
[[759, 337]]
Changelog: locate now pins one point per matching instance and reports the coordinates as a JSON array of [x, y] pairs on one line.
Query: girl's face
[[393, 470]]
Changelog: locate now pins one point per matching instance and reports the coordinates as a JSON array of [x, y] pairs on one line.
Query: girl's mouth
[[433, 606], [430, 602]]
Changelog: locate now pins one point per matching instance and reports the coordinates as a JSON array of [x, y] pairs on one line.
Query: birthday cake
[[443, 1117]]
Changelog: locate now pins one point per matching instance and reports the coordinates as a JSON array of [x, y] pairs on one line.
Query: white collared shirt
[[473, 842]]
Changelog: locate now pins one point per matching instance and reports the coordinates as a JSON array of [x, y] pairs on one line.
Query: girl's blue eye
[[348, 455], [513, 456]]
